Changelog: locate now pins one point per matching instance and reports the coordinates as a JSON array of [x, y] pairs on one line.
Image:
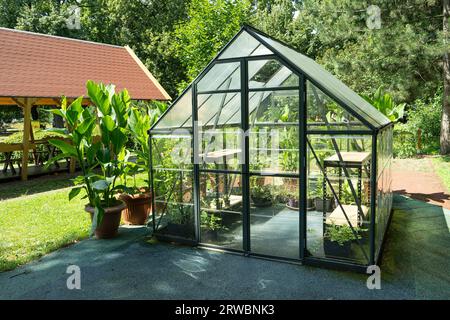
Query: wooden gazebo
[[37, 69]]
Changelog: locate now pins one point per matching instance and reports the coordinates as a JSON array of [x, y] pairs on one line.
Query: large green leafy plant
[[140, 120], [101, 156], [386, 105]]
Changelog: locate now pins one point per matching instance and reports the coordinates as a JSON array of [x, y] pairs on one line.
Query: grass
[[38, 135], [37, 218], [442, 169], [32, 226]]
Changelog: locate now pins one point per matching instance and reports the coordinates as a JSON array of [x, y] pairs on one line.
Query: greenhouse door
[[273, 153], [248, 171], [218, 132]]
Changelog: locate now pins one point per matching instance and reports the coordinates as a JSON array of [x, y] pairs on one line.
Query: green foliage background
[[177, 38], [424, 115]]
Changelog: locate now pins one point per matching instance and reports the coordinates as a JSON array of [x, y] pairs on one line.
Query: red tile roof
[[37, 65]]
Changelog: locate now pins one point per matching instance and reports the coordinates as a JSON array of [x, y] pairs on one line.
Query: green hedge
[[423, 115], [38, 135]]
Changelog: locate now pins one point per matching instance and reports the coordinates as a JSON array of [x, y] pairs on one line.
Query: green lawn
[[442, 169], [32, 226], [36, 218]]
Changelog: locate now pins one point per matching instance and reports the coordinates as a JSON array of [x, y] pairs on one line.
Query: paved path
[[416, 179], [416, 265]]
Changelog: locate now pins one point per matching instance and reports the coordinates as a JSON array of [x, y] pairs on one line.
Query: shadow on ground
[[439, 197], [15, 189], [417, 255], [415, 266]]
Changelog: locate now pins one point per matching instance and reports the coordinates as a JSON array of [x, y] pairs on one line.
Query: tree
[[147, 26], [445, 121], [276, 18], [47, 16], [211, 24], [402, 55], [10, 10], [177, 38]]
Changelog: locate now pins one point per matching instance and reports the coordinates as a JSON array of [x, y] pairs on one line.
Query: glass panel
[[325, 114], [274, 137], [329, 225], [174, 207], [179, 114], [384, 188], [173, 186], [216, 109], [315, 71], [221, 209], [231, 112], [255, 98], [274, 216], [172, 151], [389, 168], [220, 145], [243, 46], [270, 73], [223, 76], [379, 216], [221, 148]]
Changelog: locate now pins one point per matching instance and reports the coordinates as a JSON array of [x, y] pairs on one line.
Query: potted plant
[[261, 196], [101, 160], [180, 222], [211, 225], [320, 203], [338, 239], [310, 201], [138, 198], [292, 200]]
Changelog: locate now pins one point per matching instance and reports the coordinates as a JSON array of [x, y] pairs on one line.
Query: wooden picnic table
[[9, 148]]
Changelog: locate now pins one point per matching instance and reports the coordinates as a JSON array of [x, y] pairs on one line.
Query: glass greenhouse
[[268, 154]]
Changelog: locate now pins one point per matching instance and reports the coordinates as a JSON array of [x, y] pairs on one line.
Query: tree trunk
[[445, 122]]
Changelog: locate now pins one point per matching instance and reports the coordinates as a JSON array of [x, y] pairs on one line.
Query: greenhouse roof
[[223, 77]]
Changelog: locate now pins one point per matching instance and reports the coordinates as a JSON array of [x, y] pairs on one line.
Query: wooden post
[[73, 161], [26, 137], [72, 165], [419, 140], [32, 141]]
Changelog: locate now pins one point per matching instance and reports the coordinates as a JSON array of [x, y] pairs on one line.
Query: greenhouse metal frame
[[225, 192]]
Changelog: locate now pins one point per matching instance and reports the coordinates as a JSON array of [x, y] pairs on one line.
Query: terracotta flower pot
[[138, 208], [109, 226]]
